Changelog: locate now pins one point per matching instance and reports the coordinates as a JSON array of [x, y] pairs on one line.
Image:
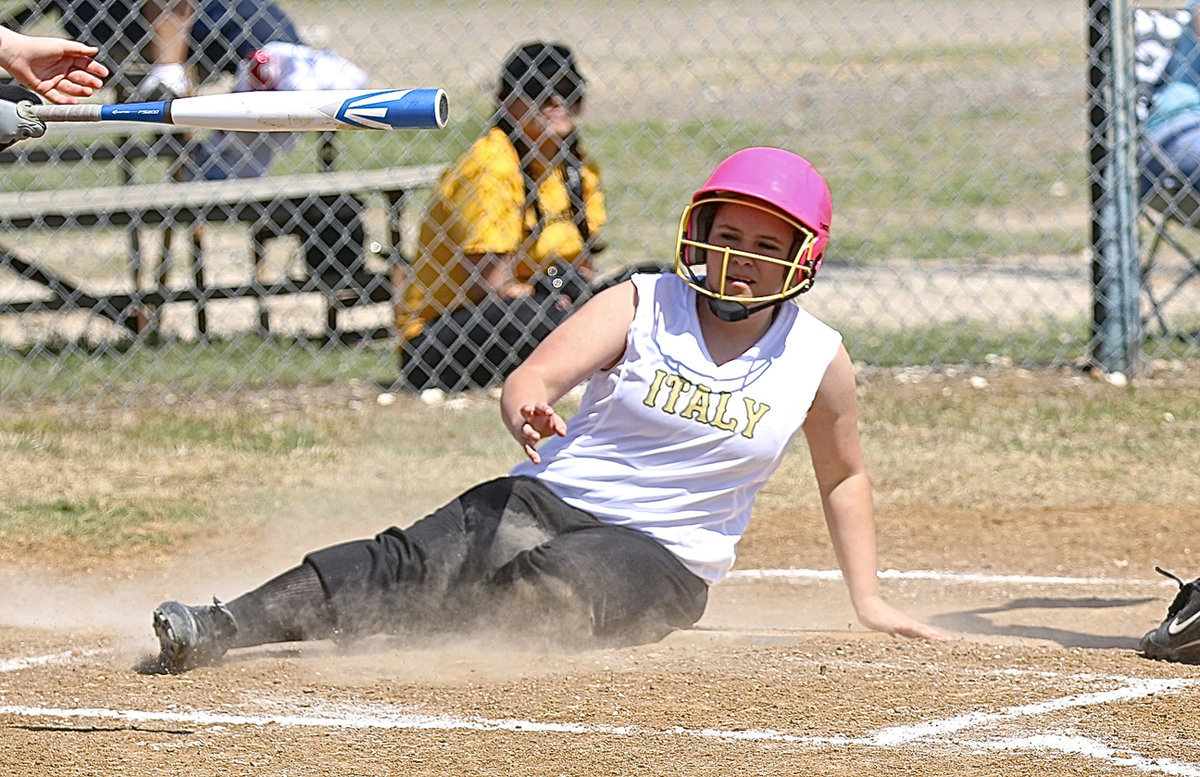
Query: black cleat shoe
[[1178, 637], [192, 636]]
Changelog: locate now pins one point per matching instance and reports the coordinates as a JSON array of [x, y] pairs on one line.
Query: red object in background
[[264, 71]]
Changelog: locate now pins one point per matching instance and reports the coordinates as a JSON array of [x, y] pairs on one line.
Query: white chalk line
[[1073, 744], [934, 733], [897, 735], [17, 664], [940, 732], [941, 577]]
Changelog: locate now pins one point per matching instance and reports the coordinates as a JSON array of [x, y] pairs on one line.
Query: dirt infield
[[1043, 572], [743, 693]]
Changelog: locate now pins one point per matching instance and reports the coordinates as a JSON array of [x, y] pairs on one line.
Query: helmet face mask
[[698, 248], [774, 182]]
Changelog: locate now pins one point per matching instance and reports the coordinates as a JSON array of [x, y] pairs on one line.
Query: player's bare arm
[[593, 338], [60, 70], [832, 433]]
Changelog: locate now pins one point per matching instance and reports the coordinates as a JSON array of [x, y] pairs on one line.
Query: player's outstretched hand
[[877, 614], [60, 70], [540, 422]]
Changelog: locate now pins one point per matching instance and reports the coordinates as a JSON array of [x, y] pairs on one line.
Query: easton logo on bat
[[384, 110], [150, 112]]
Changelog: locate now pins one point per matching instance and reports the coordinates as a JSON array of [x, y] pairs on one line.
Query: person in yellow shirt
[[506, 246]]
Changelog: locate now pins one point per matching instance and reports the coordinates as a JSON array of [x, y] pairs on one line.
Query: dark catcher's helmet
[[538, 71]]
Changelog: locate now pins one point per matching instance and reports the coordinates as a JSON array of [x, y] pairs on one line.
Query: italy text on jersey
[[699, 403]]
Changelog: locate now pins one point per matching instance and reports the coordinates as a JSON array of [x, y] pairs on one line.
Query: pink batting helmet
[[788, 185]]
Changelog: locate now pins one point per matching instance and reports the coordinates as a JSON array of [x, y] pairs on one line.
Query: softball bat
[[387, 109]]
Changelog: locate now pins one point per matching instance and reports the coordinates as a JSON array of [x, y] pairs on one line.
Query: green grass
[[118, 481], [1101, 430], [162, 430], [967, 342], [78, 371], [232, 434], [934, 176], [911, 167], [75, 369], [98, 526]]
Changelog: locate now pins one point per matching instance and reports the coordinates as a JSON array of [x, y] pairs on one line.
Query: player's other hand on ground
[[540, 422], [879, 615]]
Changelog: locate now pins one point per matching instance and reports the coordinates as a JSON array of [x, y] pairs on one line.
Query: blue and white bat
[[386, 109]]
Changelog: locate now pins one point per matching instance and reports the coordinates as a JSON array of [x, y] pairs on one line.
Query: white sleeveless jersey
[[671, 444]]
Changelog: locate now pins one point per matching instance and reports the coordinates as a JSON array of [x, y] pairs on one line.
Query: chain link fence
[[953, 134]]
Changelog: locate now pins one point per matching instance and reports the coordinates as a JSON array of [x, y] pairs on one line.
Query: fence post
[[1112, 147]]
